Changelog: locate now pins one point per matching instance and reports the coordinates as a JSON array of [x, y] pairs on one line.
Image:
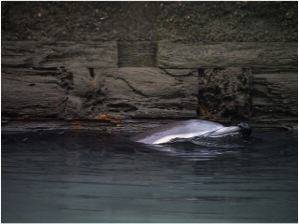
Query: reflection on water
[[87, 177]]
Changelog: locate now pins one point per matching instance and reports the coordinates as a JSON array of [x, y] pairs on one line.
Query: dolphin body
[[187, 130]]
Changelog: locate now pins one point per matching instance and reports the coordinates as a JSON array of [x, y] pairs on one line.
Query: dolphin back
[[179, 129]]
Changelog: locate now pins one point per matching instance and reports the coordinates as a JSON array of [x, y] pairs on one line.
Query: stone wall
[[78, 61]]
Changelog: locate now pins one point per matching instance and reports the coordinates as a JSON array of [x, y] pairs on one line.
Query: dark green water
[[86, 177]]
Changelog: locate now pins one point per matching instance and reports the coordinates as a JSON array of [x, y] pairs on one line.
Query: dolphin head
[[225, 131], [244, 129]]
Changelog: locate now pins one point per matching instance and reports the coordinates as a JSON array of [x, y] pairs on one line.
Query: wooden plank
[[43, 54], [257, 55]]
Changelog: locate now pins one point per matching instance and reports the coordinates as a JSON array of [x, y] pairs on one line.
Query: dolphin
[[189, 129]]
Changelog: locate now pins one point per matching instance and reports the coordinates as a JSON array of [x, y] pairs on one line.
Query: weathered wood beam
[[280, 56], [36, 54], [32, 96], [147, 92]]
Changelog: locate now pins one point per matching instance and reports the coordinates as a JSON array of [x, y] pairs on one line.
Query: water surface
[[82, 176]]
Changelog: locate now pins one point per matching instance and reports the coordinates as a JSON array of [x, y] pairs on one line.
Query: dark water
[[86, 177]]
